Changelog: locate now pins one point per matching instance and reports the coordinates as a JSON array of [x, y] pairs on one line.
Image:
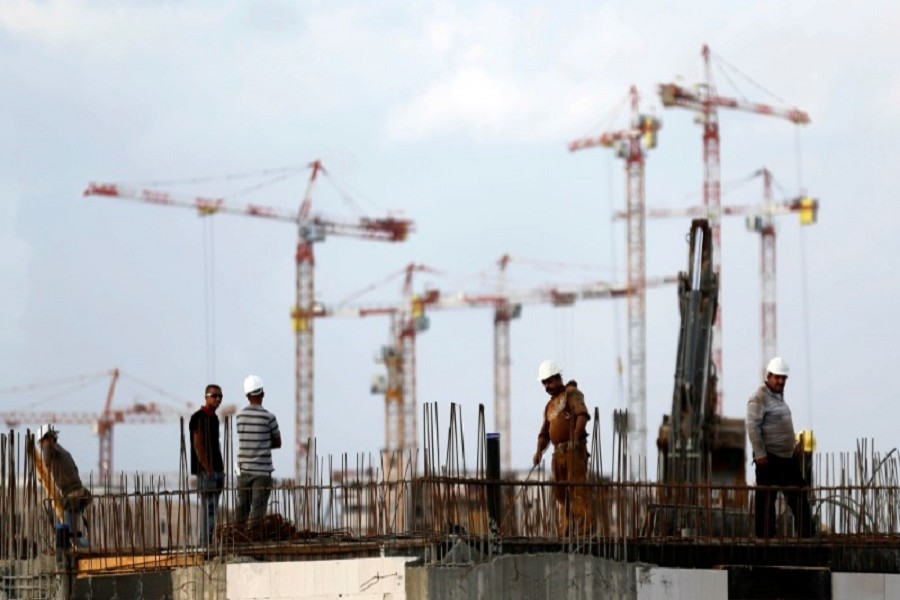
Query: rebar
[[385, 500]]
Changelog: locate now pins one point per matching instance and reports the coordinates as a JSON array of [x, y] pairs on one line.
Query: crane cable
[[804, 288], [209, 296], [617, 313]]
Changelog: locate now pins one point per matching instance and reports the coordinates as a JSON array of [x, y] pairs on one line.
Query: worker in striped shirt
[[258, 434]]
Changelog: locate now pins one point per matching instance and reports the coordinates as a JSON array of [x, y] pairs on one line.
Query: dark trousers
[[781, 474], [253, 497], [210, 488]]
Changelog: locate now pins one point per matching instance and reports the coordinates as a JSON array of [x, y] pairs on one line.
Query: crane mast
[[504, 312], [707, 102], [105, 432], [304, 372], [765, 225], [630, 145]]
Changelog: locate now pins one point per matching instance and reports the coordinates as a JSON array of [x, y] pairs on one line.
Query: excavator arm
[[696, 444]]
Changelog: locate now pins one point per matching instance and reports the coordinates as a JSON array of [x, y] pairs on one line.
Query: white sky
[[456, 115]]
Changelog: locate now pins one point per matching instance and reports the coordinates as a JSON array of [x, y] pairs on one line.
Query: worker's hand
[[537, 458], [762, 461]]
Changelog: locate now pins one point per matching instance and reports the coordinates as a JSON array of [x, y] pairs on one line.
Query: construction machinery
[[759, 219], [696, 444]]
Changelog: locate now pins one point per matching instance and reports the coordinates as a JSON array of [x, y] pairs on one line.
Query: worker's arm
[[755, 416], [274, 433], [200, 450], [581, 426]]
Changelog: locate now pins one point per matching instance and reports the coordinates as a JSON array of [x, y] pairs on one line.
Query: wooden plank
[[128, 564]]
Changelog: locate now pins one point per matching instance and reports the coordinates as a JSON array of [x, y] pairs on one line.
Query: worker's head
[[213, 396], [776, 374], [550, 376], [46, 433], [253, 387]]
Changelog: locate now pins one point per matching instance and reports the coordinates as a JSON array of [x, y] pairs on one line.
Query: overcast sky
[[456, 115]]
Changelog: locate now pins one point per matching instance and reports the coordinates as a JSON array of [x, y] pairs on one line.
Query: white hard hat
[[777, 366], [45, 430], [253, 385], [548, 369]]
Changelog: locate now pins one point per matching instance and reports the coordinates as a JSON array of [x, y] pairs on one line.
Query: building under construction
[[449, 526]]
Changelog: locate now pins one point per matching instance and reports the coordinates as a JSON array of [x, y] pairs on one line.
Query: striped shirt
[[256, 427], [769, 424]]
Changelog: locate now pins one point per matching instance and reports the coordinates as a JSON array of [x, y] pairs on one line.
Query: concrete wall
[[533, 577], [569, 576], [864, 586], [356, 579]]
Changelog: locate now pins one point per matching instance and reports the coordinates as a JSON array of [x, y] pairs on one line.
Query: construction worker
[[64, 476], [565, 425], [258, 434], [206, 460], [771, 432]]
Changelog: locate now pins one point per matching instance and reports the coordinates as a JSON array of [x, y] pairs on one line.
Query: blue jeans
[[253, 497], [73, 519], [210, 488], [73, 510]]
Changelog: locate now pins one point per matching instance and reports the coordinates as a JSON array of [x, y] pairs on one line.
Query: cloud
[[887, 103], [471, 99], [15, 259]]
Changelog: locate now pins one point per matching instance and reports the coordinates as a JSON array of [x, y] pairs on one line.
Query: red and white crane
[[103, 423], [409, 318], [311, 228], [760, 219], [630, 144], [706, 101]]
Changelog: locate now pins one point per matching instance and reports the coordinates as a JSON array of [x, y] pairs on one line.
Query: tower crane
[[409, 318], [759, 219], [630, 145], [706, 101], [311, 229], [103, 423]]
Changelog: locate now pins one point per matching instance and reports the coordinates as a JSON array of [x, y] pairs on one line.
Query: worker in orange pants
[[565, 426]]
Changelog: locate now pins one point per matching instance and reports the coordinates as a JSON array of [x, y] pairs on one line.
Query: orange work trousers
[[573, 502]]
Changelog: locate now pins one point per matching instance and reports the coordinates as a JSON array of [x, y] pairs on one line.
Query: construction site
[[440, 512]]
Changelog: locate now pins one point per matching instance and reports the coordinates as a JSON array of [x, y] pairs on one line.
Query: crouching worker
[[64, 481]]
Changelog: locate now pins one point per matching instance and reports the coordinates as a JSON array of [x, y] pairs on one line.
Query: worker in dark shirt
[[206, 460]]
